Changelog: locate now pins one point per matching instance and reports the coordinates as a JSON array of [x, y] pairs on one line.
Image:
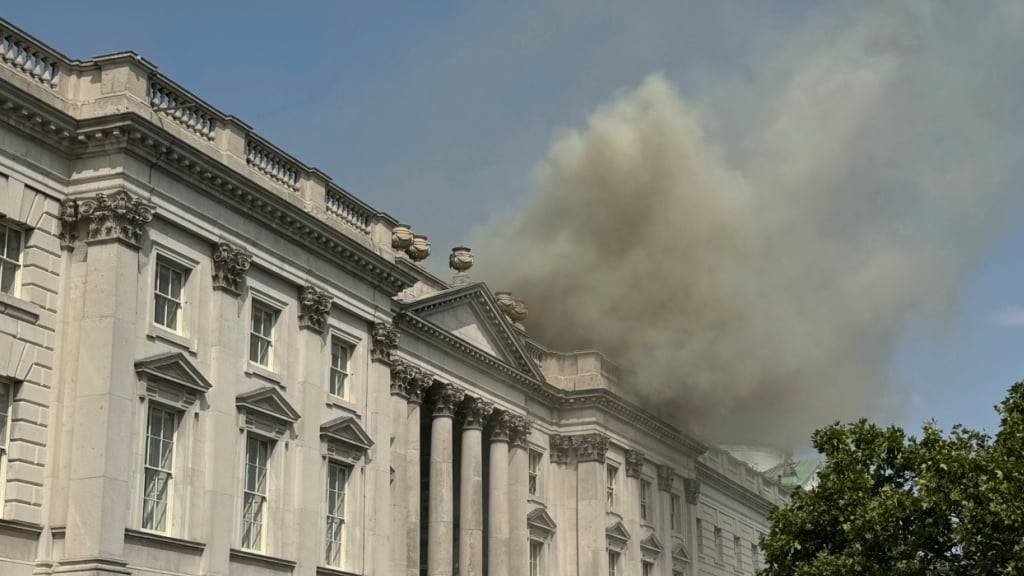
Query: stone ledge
[[21, 526], [165, 540], [18, 308], [258, 558], [325, 571]]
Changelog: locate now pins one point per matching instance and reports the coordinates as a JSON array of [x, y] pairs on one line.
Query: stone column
[[666, 478], [471, 502], [519, 472], [416, 386], [630, 505], [590, 463], [377, 490], [105, 402], [440, 537], [498, 498], [401, 373]]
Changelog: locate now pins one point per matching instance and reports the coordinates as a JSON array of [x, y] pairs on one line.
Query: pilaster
[[519, 537], [590, 493]]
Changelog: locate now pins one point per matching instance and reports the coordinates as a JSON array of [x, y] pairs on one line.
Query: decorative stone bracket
[[117, 216], [634, 463], [230, 264], [314, 307], [666, 477], [519, 430]]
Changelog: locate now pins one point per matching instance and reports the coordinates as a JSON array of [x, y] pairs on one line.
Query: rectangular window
[[254, 499], [612, 473], [10, 259], [677, 513], [261, 334], [613, 563], [719, 547], [700, 537], [158, 469], [6, 398], [754, 559], [536, 553], [645, 499], [337, 475], [167, 296], [737, 547], [647, 568], [339, 367], [535, 457]]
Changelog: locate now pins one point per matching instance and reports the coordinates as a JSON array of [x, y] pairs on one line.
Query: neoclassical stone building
[[215, 360]]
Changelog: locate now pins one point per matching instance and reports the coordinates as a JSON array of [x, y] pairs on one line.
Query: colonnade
[[413, 390]]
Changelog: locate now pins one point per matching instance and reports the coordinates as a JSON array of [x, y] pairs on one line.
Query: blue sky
[[438, 113]]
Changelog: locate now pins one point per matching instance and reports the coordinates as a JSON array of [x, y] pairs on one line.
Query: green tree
[[889, 504]]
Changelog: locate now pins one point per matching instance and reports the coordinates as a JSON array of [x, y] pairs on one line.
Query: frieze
[[666, 477], [384, 342], [475, 412], [634, 463], [230, 264], [118, 216], [314, 307], [447, 398]]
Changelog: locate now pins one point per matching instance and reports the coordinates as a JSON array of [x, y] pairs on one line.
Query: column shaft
[[471, 529], [399, 488], [519, 471], [412, 487], [498, 501], [440, 538]]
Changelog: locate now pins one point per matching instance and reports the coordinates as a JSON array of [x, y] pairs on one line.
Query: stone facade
[[214, 360]]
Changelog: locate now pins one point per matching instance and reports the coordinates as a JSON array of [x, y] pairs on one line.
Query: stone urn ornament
[[419, 249], [505, 302], [401, 237], [518, 313], [460, 260]]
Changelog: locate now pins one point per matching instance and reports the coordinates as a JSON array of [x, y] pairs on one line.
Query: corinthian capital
[[401, 374], [230, 263], [519, 430], [475, 412], [501, 421], [314, 307], [384, 342], [418, 384], [634, 463], [447, 398], [561, 448], [118, 216], [591, 447], [666, 477]]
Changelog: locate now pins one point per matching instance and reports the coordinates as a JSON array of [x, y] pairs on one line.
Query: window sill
[[534, 499], [264, 373], [158, 332], [20, 526], [166, 541], [327, 571], [339, 402], [260, 558], [20, 309]]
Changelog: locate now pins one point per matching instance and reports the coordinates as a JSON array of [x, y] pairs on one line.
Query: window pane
[[154, 505], [175, 288], [8, 273], [5, 402], [14, 245]]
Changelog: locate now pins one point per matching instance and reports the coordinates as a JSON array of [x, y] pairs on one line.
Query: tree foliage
[[889, 504]]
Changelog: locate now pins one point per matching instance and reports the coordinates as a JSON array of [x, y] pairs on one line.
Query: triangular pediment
[[652, 544], [540, 522], [173, 368], [268, 401], [471, 314], [347, 429], [617, 532], [679, 553]]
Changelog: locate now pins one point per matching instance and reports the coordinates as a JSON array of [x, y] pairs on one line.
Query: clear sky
[[438, 112]]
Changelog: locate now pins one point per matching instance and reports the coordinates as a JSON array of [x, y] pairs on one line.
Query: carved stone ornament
[[401, 237], [68, 222], [460, 260], [118, 216], [634, 463], [666, 477], [692, 488], [591, 447], [501, 424], [401, 374], [447, 398], [314, 307], [561, 448], [519, 430], [417, 385], [419, 249], [230, 263], [475, 412], [385, 342]]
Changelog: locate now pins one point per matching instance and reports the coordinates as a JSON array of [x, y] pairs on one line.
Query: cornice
[[133, 134], [712, 477]]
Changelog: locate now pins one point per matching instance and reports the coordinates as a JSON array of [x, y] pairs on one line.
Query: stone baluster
[[416, 387], [471, 501], [498, 497], [519, 471], [440, 522]]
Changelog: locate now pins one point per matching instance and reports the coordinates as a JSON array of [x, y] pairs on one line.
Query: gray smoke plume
[[756, 253]]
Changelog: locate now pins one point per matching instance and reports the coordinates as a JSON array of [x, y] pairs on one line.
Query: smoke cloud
[[756, 252]]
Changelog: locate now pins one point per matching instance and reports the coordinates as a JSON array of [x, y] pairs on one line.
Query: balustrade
[[28, 59], [186, 111], [271, 164]]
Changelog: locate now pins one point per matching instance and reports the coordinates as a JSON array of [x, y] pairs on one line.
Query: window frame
[[169, 507], [699, 529], [614, 558], [182, 302], [719, 545], [646, 567], [646, 507], [533, 473], [538, 568], [265, 306], [737, 545], [5, 437], [340, 520], [264, 511], [7, 228], [675, 504], [611, 481], [333, 371]]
